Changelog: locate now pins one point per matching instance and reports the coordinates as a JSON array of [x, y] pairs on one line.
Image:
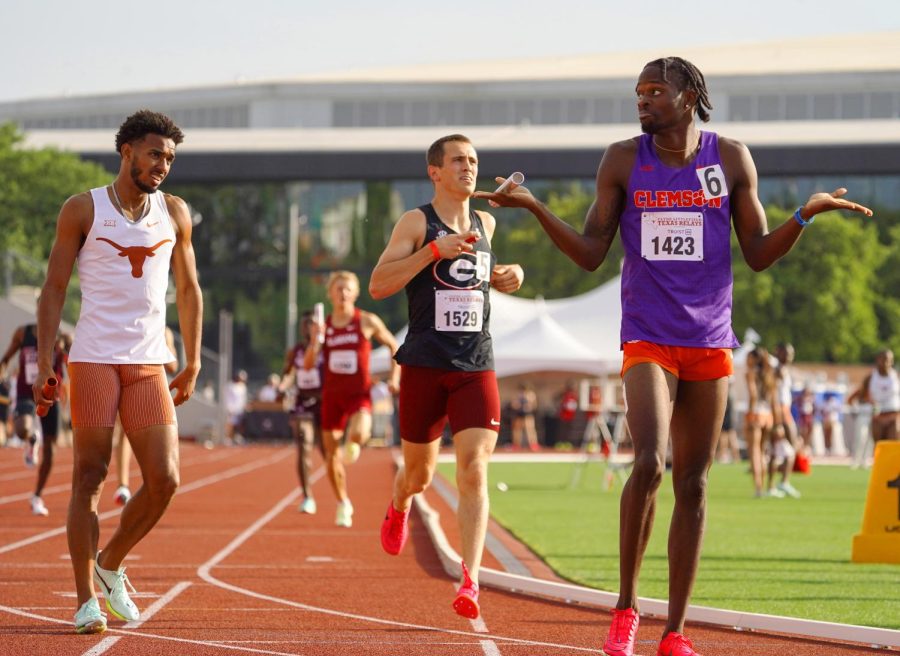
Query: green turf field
[[776, 556]]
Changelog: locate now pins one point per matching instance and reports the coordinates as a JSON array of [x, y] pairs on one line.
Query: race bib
[[459, 311], [672, 236], [343, 362], [308, 379], [31, 364], [712, 179]]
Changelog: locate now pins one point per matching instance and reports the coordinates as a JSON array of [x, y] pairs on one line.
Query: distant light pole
[[293, 239]]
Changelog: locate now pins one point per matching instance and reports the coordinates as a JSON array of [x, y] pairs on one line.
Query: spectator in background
[[761, 420], [235, 404], [523, 428], [830, 417], [566, 412], [881, 388], [784, 449], [271, 391], [806, 412], [728, 449]]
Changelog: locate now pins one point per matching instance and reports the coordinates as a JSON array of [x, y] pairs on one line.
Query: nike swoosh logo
[[150, 225], [494, 422], [106, 589]]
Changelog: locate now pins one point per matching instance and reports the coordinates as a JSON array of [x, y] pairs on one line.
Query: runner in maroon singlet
[[306, 414], [345, 385]]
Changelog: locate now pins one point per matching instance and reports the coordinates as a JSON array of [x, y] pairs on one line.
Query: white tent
[[579, 334]]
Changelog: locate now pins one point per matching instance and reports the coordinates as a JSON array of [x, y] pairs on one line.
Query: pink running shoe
[[620, 641], [394, 530], [466, 602], [675, 644]]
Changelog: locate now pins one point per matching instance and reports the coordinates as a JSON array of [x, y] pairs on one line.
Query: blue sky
[[54, 47]]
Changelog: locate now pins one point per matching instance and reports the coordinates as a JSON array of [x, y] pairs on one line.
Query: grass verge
[[776, 556]]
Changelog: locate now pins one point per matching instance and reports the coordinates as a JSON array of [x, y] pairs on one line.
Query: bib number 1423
[[672, 236]]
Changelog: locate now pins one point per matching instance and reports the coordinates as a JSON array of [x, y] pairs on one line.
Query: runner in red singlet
[[345, 386]]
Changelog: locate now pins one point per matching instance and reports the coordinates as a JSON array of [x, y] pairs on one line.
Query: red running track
[[233, 568]]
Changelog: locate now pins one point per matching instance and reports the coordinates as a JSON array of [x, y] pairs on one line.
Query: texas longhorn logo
[[136, 254]]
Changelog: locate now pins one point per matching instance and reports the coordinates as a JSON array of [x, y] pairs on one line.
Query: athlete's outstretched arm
[[188, 299], [760, 247], [587, 249], [73, 224], [405, 254]]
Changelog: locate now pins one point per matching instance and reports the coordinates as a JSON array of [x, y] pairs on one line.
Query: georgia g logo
[[465, 271]]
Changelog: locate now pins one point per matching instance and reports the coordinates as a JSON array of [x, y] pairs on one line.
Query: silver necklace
[[144, 207]]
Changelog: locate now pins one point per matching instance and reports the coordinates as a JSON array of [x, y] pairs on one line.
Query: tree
[[822, 296], [887, 306], [33, 186], [548, 271]]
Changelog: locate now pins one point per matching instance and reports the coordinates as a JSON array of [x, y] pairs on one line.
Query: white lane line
[[27, 473], [24, 496], [489, 647], [190, 487], [204, 573], [102, 646], [151, 636], [65, 487]]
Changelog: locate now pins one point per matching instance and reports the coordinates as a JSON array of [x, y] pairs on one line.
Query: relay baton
[[515, 178], [47, 392], [319, 318]]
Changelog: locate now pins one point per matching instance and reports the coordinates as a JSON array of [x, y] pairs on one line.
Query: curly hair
[[144, 122], [689, 77]]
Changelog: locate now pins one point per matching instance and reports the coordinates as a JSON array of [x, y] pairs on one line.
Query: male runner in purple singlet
[[674, 193]]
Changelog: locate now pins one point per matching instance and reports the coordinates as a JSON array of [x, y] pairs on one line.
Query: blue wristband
[[799, 219]]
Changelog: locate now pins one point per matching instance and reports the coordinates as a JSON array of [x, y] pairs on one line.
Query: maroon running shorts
[[337, 408], [429, 397]]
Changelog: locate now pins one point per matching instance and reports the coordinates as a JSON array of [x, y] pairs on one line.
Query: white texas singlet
[[124, 271]]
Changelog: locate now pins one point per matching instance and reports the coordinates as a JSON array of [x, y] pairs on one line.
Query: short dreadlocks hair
[[689, 77], [144, 122]]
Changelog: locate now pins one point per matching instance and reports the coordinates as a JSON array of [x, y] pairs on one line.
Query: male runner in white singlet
[[123, 237]]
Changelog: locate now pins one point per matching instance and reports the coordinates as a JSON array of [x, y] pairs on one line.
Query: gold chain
[[122, 207]]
